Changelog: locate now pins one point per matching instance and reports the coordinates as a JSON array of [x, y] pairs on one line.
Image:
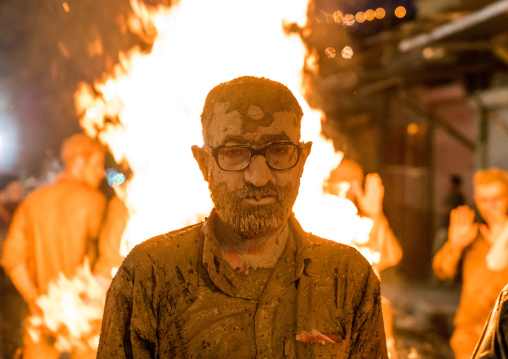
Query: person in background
[[13, 309], [347, 180], [248, 282], [54, 229], [480, 253], [493, 343], [367, 193]]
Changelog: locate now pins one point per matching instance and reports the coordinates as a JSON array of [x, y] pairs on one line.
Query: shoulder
[[478, 247], [326, 256], [330, 250], [67, 191], [174, 248], [85, 192], [503, 296], [183, 239]]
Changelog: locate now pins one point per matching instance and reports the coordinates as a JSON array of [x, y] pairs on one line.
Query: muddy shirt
[[493, 343], [174, 297]]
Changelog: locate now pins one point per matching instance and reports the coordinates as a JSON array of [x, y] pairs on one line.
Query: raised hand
[[463, 230], [370, 200]]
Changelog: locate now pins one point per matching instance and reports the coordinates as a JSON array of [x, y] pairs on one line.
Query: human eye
[[233, 158], [281, 150], [233, 152], [282, 156]]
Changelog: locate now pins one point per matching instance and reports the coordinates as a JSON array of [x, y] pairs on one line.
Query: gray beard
[[252, 220]]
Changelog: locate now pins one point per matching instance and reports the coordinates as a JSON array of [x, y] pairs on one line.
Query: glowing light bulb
[[400, 12], [380, 13], [412, 129], [348, 20], [330, 52], [369, 15], [360, 17], [347, 52], [337, 16]]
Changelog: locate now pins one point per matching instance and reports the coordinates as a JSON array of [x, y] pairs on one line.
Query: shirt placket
[[285, 273], [263, 332]]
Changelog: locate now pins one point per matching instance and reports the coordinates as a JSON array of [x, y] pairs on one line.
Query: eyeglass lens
[[237, 158]]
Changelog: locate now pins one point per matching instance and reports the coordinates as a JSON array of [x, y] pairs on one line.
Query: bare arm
[[25, 286], [14, 258], [381, 238], [385, 242]]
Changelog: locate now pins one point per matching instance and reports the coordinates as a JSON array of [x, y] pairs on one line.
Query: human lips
[[260, 200], [260, 197]]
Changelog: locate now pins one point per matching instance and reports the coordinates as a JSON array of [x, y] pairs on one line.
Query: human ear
[[202, 160], [305, 153]]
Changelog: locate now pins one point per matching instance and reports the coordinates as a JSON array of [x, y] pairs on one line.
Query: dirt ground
[[423, 314]]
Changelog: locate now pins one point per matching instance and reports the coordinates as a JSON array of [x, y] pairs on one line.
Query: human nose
[[258, 173]]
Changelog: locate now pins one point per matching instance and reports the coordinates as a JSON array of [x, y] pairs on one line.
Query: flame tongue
[[71, 312]]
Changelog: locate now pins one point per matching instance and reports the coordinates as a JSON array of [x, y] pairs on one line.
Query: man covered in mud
[[248, 282]]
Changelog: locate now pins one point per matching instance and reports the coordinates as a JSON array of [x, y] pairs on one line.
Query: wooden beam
[[453, 27]]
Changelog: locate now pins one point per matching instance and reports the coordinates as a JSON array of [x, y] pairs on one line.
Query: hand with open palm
[[463, 230], [370, 200]]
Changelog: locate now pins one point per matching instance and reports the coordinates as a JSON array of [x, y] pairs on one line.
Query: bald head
[[79, 145]]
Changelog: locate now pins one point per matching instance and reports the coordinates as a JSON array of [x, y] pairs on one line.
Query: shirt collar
[[288, 268]]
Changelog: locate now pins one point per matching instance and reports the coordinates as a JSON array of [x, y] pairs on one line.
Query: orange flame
[[155, 101], [71, 312]]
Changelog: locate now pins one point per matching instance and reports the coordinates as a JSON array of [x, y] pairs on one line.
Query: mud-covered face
[[257, 199]]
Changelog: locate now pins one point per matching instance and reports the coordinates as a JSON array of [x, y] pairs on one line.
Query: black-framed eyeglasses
[[279, 156]]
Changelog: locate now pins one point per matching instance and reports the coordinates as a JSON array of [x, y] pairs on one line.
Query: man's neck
[[261, 251]]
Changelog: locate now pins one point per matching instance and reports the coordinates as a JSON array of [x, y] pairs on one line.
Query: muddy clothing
[[493, 343], [175, 297], [480, 288], [53, 230]]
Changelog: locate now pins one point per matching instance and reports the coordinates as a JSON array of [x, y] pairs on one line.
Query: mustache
[[250, 191]]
